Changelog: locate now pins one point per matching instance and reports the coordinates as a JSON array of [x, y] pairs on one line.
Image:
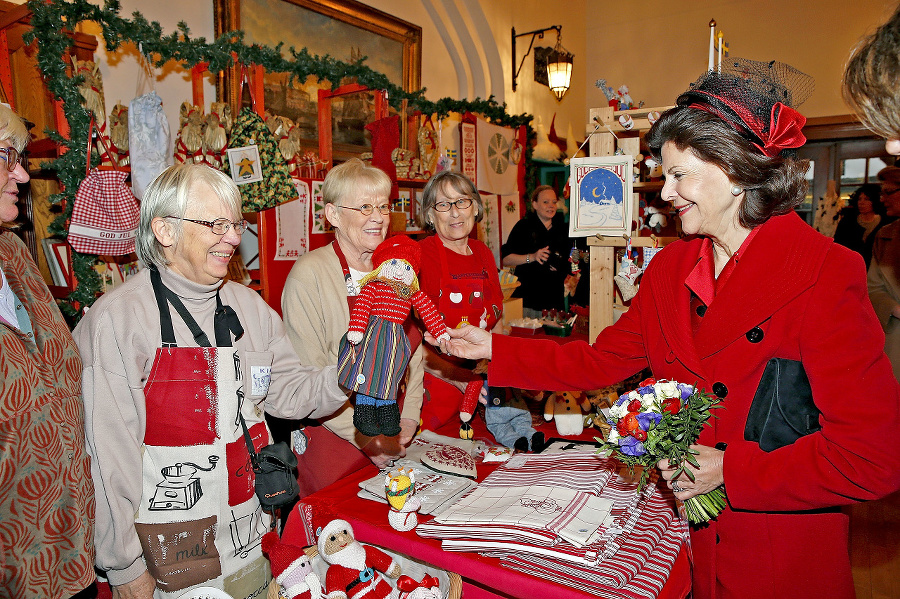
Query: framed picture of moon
[[602, 201]]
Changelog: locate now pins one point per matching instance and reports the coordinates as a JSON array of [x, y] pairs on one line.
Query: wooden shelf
[[647, 187], [417, 183]]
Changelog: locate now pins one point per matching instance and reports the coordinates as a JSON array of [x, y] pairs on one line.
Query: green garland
[[52, 20]]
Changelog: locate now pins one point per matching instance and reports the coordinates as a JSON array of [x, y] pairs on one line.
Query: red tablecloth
[[482, 576]]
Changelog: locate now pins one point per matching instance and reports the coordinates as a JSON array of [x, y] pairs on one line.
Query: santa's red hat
[[398, 246]]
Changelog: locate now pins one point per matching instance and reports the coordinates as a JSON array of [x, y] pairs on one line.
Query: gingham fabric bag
[[105, 216]]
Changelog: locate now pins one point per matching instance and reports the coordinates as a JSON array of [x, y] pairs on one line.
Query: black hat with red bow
[[758, 99]]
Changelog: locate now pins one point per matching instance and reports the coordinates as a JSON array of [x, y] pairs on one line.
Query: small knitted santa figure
[[292, 568], [374, 355], [354, 569]]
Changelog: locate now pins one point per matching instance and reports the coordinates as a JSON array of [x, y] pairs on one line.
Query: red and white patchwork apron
[[199, 520]]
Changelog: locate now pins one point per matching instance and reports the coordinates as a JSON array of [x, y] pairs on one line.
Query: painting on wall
[[602, 201], [343, 29]]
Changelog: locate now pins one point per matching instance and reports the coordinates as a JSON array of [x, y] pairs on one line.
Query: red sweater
[[379, 299]]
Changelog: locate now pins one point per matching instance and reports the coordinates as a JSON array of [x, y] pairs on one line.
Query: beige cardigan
[[118, 339]]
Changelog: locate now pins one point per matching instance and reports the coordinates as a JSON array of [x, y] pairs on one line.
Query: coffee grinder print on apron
[[199, 519]]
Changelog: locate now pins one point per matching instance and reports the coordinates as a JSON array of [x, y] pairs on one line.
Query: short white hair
[[168, 195], [354, 177]]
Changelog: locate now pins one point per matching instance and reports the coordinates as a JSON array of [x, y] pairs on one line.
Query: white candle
[[721, 35], [712, 42]]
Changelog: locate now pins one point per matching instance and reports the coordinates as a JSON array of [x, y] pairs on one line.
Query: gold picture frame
[[342, 29]]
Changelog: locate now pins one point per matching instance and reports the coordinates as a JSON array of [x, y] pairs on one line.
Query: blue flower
[[631, 446], [622, 400], [686, 391], [645, 390], [645, 419]]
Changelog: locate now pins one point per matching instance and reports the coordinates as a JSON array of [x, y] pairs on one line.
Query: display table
[[482, 576]]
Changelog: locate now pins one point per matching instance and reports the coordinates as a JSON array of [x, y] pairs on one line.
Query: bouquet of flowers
[[660, 420]]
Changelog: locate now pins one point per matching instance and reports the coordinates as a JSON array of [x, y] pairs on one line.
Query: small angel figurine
[[375, 352]]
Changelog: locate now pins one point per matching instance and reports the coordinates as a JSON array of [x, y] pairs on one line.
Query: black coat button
[[755, 335], [718, 540], [720, 390], [701, 310]]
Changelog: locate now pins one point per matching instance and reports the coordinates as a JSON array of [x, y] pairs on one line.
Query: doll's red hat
[[283, 558], [398, 246]]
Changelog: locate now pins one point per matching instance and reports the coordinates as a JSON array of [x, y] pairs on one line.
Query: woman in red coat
[[751, 285]]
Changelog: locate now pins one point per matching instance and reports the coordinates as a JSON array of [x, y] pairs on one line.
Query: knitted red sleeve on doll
[[429, 314]]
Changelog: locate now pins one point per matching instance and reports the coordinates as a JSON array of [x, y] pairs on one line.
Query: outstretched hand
[[468, 342]]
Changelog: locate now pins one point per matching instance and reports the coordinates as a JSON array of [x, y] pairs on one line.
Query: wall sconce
[[557, 62]]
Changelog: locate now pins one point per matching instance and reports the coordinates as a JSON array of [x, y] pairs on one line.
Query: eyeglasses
[[368, 209], [13, 158], [220, 226], [461, 204]]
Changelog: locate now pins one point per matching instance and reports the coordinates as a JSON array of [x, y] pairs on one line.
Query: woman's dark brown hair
[[771, 186]]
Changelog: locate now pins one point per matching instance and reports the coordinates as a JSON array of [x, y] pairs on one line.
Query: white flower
[[613, 435], [647, 402], [664, 389], [618, 411]]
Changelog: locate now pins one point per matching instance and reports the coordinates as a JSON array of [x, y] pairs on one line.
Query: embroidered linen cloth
[[643, 537]]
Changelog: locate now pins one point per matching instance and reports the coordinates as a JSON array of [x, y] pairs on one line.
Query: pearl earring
[[736, 191]]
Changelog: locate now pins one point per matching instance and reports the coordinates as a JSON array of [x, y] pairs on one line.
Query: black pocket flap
[[783, 409]]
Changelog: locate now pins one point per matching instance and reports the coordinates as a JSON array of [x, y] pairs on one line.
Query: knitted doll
[[354, 570], [375, 352], [292, 569]]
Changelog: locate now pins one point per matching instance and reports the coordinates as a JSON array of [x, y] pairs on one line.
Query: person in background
[[751, 285], [539, 246], [884, 269], [863, 216], [46, 496], [179, 367], [320, 289]]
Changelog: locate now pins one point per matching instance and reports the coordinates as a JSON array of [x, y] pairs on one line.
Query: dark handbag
[[274, 467], [783, 409]]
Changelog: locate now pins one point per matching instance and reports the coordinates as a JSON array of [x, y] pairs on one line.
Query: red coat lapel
[[782, 261]]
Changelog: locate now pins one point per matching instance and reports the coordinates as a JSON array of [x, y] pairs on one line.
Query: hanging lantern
[[559, 69]]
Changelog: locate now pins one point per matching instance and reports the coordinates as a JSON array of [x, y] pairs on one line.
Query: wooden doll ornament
[[375, 351]]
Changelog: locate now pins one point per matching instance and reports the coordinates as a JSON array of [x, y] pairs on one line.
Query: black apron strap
[[225, 321], [165, 316]]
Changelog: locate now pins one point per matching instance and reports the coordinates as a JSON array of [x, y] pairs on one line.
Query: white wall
[[658, 47]]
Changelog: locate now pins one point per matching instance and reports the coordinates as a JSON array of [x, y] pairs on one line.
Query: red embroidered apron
[[199, 520]]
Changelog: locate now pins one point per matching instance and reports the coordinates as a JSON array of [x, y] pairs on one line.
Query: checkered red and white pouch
[[105, 216]]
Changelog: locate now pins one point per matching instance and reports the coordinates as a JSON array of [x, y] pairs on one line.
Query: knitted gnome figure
[[375, 352], [292, 568], [354, 570]]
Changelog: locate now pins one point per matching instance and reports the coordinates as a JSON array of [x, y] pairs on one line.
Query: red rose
[[671, 405], [647, 383], [622, 428], [640, 435], [634, 405]]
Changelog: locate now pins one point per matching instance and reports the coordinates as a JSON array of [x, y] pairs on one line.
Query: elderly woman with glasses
[[179, 367], [318, 295], [770, 316], [46, 496], [459, 274]]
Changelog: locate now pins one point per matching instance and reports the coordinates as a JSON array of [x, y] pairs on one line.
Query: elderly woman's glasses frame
[[461, 204], [13, 158], [219, 226], [368, 209]]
